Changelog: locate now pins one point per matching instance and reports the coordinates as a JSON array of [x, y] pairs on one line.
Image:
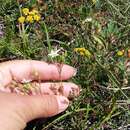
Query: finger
[[69, 90], [45, 106], [28, 70], [32, 107]]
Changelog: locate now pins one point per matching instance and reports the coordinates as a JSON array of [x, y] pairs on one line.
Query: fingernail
[[71, 90], [2, 89], [75, 72], [73, 93], [63, 103]]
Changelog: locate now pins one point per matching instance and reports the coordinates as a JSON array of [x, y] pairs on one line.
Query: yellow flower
[[37, 17], [33, 12], [25, 11], [87, 53], [120, 53], [21, 19], [29, 19], [82, 51], [79, 49]]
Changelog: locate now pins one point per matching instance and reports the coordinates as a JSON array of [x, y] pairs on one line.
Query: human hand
[[46, 98]]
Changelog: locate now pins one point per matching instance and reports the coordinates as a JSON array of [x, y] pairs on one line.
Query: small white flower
[[54, 53], [88, 19], [26, 80]]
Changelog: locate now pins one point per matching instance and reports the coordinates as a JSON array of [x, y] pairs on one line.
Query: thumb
[[16, 110], [43, 106]]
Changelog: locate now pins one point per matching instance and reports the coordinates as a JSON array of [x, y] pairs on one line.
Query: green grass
[[104, 100]]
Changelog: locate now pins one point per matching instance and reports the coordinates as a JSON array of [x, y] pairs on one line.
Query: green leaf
[[32, 2]]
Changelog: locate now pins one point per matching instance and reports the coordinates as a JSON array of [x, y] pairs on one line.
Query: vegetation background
[[102, 28]]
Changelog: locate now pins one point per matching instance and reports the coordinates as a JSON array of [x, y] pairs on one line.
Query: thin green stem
[[63, 116], [47, 36]]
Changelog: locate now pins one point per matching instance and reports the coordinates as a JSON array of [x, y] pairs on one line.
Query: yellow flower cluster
[[29, 16], [83, 52], [123, 52], [120, 53]]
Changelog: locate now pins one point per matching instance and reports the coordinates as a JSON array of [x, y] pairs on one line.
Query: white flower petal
[[54, 53], [26, 80]]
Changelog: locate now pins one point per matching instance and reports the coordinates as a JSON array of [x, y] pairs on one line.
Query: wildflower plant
[[27, 17], [58, 55]]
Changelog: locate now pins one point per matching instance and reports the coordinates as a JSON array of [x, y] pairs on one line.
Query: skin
[[46, 99]]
